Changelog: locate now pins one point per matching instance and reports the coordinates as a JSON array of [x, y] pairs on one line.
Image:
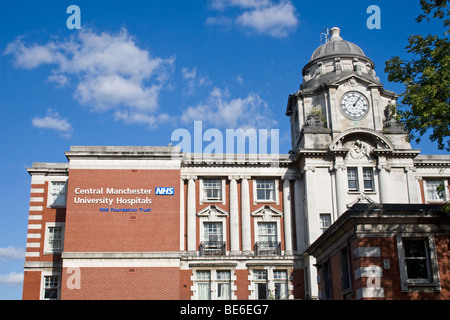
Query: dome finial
[[335, 34]]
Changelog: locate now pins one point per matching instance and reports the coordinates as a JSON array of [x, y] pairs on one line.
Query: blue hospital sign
[[164, 191]]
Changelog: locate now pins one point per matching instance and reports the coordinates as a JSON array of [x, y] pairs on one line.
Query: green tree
[[426, 100]]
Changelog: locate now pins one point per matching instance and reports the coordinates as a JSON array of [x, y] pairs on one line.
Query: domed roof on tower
[[336, 59], [336, 46]]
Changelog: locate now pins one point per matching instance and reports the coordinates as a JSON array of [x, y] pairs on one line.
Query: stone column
[[383, 176], [341, 188], [245, 216], [191, 218], [234, 217], [311, 214], [287, 216], [299, 219]]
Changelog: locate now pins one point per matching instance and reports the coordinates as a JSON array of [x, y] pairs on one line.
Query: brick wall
[[89, 230], [156, 283]]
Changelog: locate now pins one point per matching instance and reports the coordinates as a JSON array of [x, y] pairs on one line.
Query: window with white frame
[[265, 190], [325, 221], [368, 179], [212, 190], [223, 284], [267, 234], [261, 285], [280, 280], [203, 285], [213, 284], [352, 176], [212, 232], [432, 192], [50, 287], [270, 283], [58, 193], [54, 237]]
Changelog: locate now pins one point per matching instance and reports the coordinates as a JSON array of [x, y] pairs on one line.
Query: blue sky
[[138, 70]]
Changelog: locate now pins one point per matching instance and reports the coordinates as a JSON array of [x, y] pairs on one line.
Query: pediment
[[355, 80], [212, 211], [267, 212]]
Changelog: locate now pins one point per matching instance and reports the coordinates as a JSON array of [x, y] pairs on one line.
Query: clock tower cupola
[[340, 93]]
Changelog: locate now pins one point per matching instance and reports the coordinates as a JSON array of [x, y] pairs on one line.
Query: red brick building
[[394, 252], [163, 223]]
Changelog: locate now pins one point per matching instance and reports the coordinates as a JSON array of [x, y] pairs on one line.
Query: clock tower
[[341, 93], [346, 144]]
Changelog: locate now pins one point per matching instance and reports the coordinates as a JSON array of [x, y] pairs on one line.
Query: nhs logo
[[165, 191]]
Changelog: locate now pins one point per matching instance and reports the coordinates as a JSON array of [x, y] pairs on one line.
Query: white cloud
[[221, 111], [11, 253], [13, 278], [109, 71], [53, 121], [194, 80], [260, 16], [222, 4], [152, 121], [276, 20], [240, 80]]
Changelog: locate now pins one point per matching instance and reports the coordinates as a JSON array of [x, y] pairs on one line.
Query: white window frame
[[275, 190], [270, 281], [432, 264], [202, 197], [355, 169], [45, 274], [47, 248], [322, 227], [425, 189], [214, 282], [360, 180], [372, 179], [50, 203]]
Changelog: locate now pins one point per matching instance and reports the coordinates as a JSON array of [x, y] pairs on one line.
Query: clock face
[[354, 105]]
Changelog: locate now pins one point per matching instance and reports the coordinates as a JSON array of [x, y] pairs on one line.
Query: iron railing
[[212, 248], [268, 248]]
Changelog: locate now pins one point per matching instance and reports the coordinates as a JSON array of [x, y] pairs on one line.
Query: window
[[54, 240], [416, 259], [432, 193], [58, 193], [51, 285], [213, 284], [281, 284], [223, 285], [325, 221], [54, 237], [204, 285], [261, 288], [212, 239], [212, 190], [368, 179], [265, 190], [418, 263], [213, 231], [352, 175]]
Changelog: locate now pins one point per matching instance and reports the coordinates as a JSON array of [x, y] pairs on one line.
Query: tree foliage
[[426, 78]]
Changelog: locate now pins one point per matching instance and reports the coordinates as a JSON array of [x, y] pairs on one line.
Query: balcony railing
[[268, 248], [212, 248]]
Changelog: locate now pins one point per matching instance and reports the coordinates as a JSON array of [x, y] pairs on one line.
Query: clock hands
[[356, 101]]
